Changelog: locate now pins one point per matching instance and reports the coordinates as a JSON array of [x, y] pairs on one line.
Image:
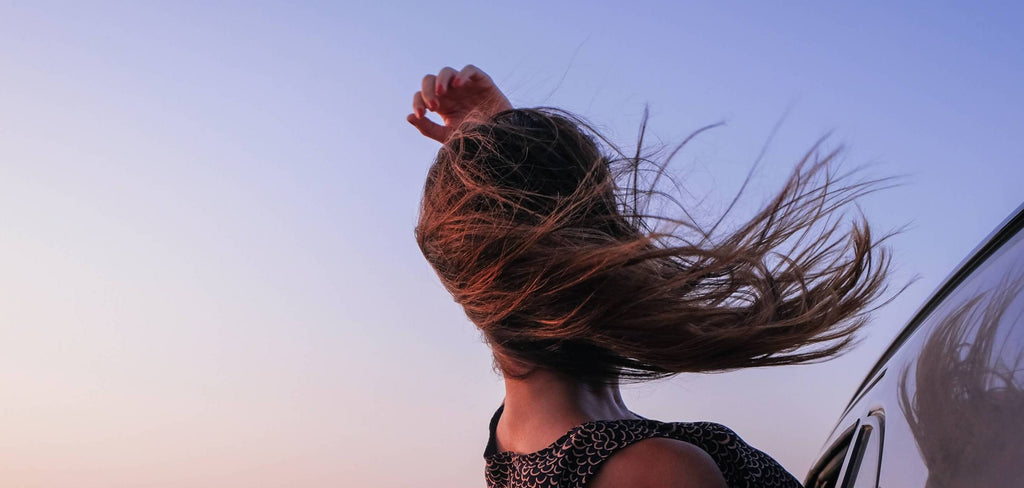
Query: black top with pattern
[[574, 458]]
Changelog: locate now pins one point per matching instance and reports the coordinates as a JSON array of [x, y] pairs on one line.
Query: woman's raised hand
[[457, 96]]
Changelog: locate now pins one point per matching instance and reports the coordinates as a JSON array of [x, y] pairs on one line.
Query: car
[[944, 405]]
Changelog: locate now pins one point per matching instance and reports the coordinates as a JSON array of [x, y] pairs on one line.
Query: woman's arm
[[457, 96]]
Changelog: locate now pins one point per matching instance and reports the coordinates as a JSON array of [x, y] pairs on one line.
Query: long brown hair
[[542, 235]]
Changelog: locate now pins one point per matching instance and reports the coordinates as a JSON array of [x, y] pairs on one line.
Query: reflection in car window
[[963, 396]]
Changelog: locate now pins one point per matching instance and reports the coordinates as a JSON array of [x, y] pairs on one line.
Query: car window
[[948, 405], [958, 414]]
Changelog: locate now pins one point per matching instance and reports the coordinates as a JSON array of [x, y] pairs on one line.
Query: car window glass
[[960, 384]]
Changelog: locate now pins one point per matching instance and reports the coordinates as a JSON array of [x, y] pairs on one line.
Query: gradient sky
[[207, 271]]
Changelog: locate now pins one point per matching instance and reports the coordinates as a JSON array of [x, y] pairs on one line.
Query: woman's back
[[574, 459]]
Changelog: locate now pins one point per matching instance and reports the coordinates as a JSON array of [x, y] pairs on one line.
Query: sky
[[207, 268]]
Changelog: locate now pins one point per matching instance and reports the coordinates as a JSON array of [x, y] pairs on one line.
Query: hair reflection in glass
[[965, 401]]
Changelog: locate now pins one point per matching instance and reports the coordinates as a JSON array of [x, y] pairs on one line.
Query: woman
[[543, 239]]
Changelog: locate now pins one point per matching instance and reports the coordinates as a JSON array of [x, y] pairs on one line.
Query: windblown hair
[[544, 240]]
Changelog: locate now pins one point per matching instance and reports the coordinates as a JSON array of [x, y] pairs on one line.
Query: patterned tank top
[[574, 459]]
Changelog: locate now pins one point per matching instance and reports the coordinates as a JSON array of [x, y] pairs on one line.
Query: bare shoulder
[[659, 463]]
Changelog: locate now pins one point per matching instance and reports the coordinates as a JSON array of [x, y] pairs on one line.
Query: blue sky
[[207, 273]]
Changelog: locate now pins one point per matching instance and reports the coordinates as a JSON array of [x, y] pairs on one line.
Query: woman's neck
[[545, 405]]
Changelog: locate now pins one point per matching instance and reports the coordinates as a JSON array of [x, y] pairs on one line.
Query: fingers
[[419, 107], [470, 74], [418, 118], [444, 78], [482, 96], [433, 87], [428, 128], [427, 89]]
